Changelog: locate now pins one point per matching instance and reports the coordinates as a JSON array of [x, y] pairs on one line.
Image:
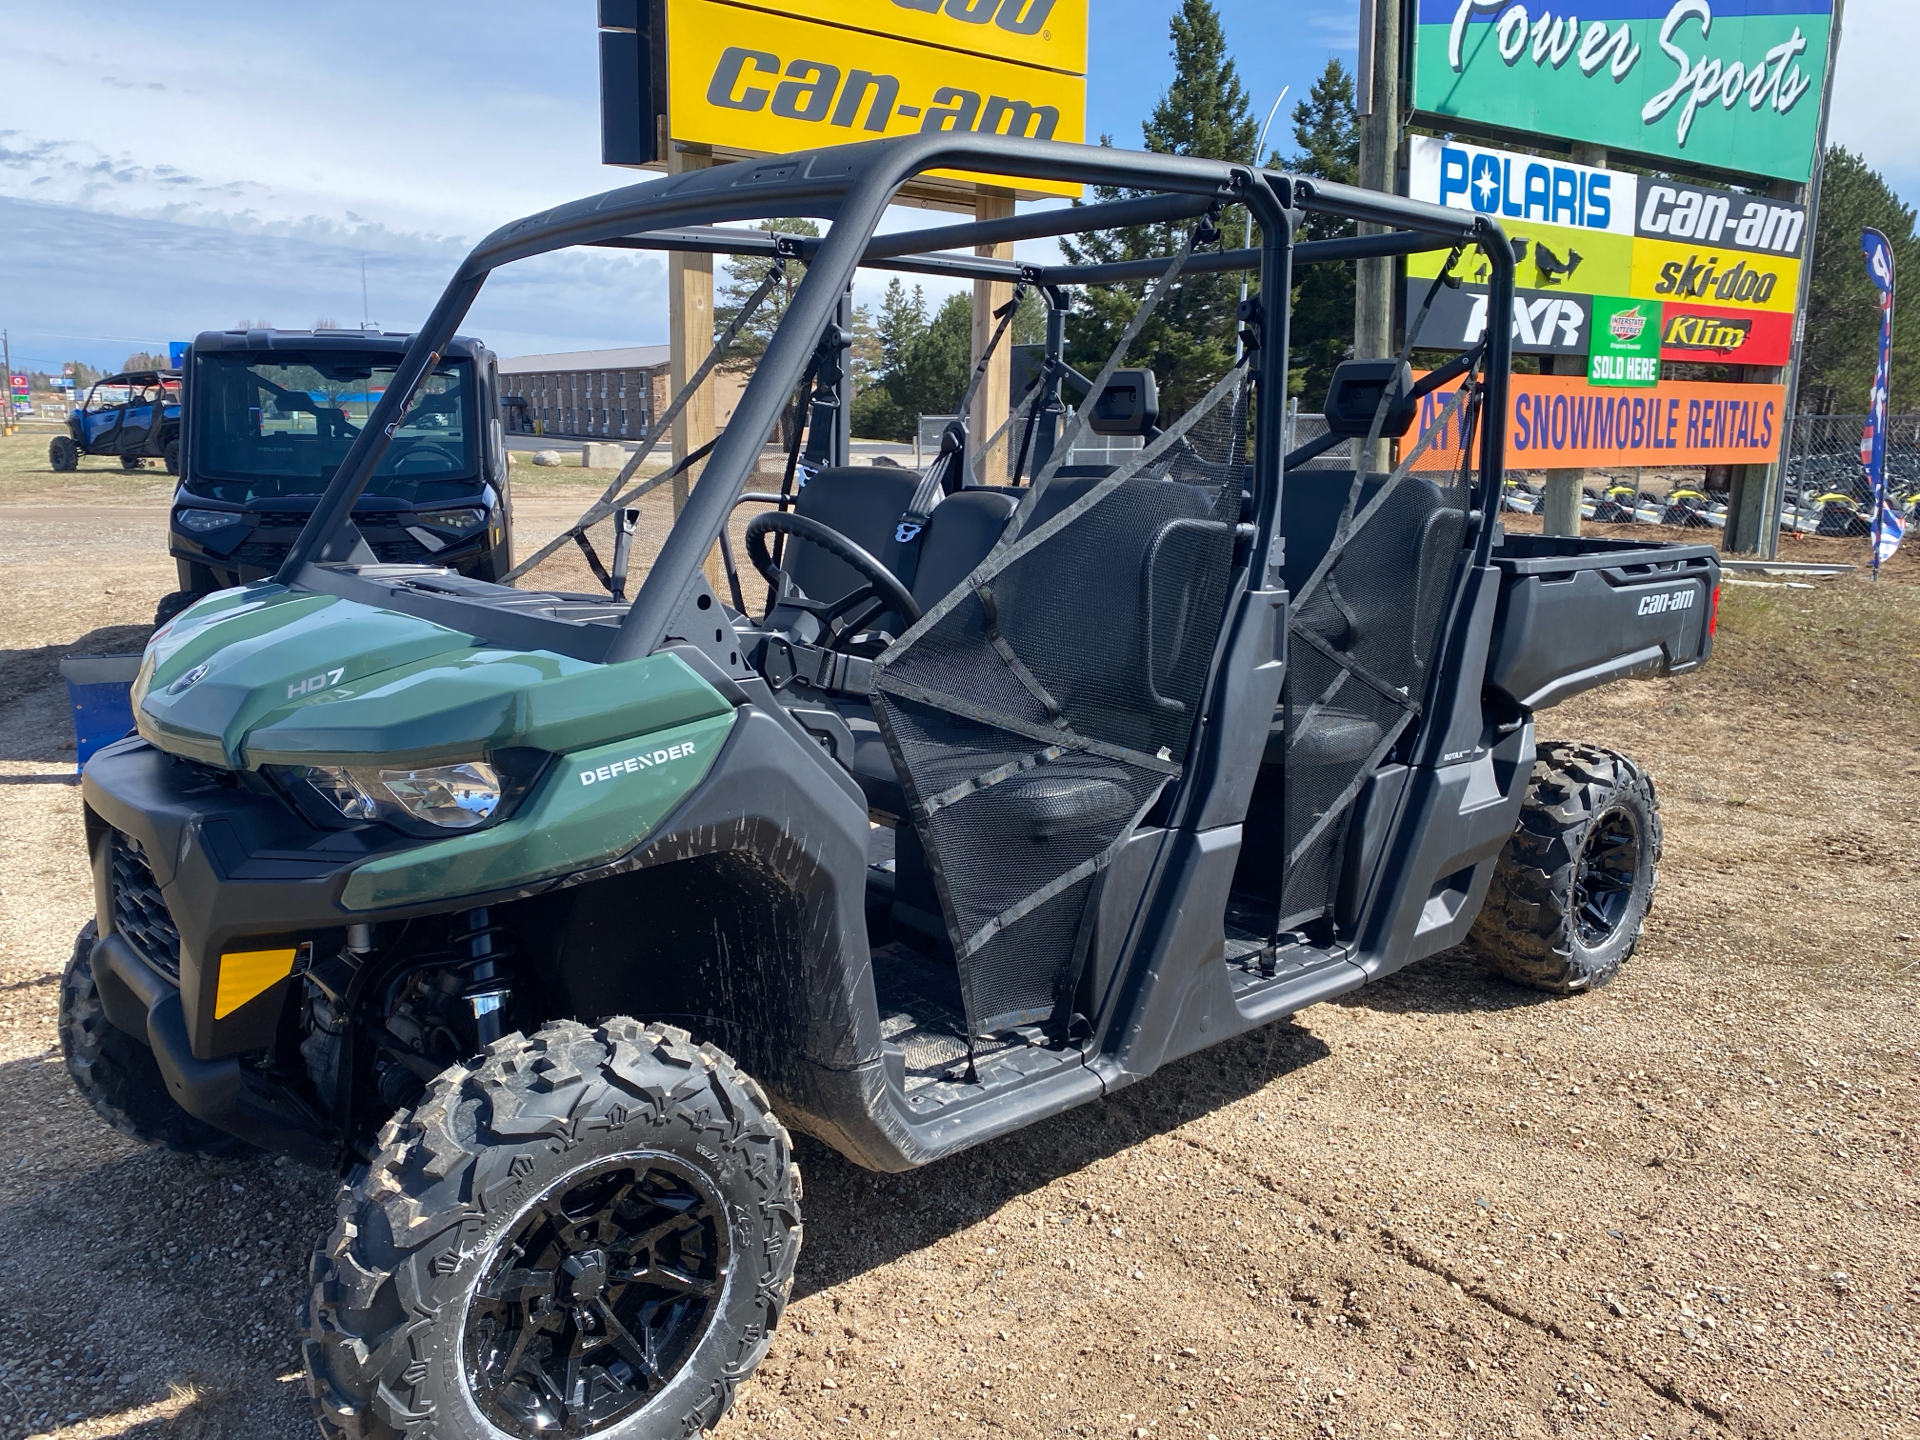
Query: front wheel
[[171, 457], [1573, 886], [592, 1231], [129, 462], [62, 453], [118, 1075]]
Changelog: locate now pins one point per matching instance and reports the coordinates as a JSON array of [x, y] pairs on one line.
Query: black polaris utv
[[270, 415], [133, 416], [544, 915]]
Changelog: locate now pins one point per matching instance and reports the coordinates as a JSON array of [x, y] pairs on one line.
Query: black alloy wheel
[[579, 1232], [597, 1296], [1603, 882], [1571, 891]]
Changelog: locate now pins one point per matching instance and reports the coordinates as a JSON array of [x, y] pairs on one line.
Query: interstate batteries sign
[[758, 77], [1731, 84]]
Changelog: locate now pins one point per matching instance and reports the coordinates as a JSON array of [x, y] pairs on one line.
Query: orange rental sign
[[1561, 422]]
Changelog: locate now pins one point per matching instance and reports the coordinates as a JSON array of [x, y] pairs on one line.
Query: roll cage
[[850, 188]]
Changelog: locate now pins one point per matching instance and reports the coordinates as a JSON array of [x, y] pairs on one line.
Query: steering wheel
[[883, 590], [424, 457]]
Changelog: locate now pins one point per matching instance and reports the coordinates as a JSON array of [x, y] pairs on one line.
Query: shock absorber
[[489, 947]]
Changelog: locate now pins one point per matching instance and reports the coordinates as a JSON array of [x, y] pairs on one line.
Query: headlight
[[452, 519], [201, 521], [447, 797]]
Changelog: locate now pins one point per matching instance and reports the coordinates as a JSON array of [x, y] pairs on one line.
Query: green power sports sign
[[1731, 84]]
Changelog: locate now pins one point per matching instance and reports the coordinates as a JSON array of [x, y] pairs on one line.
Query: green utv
[[543, 916]]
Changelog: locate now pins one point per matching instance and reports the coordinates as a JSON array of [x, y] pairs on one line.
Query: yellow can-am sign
[[750, 81], [1049, 33]]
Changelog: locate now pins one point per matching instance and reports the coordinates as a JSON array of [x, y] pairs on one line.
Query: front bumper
[[242, 556], [238, 871], [224, 1093]]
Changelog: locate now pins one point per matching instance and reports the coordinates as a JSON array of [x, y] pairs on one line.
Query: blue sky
[[242, 162]]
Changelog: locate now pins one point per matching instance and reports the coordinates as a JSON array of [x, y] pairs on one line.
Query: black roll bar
[[850, 187]]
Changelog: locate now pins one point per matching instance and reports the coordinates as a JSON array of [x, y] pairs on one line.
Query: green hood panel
[[590, 807], [296, 678]]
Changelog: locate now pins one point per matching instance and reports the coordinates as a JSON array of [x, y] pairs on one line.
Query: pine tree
[[745, 274], [922, 364], [1205, 110], [1842, 346], [1189, 342], [1321, 333]]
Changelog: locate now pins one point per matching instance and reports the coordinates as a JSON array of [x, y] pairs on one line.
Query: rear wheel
[[592, 1231], [172, 457], [129, 462], [1573, 887], [62, 453], [119, 1075]]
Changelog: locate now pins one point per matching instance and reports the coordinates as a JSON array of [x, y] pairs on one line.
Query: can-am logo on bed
[[1730, 83], [1667, 601]]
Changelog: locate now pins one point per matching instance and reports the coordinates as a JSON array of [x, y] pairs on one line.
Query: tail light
[[1713, 615]]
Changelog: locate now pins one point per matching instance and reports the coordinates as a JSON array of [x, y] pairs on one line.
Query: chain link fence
[[1825, 489]]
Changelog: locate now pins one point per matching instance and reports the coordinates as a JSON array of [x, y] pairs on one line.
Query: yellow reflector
[[245, 974]]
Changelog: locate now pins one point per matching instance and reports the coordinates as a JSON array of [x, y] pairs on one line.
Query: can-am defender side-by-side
[[270, 415], [132, 416], [544, 915]]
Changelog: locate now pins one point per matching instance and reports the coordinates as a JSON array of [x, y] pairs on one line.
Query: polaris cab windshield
[[277, 425]]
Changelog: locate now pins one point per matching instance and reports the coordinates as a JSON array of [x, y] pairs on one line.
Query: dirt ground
[[1448, 1207]]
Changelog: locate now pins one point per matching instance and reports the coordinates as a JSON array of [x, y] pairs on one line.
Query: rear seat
[[964, 527]]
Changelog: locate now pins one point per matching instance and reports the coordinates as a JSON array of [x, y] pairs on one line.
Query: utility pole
[[1563, 489], [1378, 107], [10, 422], [1767, 535]]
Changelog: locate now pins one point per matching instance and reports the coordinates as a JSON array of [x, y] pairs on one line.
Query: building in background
[[597, 394]]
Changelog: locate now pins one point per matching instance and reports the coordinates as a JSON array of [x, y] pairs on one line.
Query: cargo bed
[[1576, 612]]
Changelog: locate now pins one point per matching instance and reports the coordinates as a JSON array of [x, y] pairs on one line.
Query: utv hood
[[270, 676]]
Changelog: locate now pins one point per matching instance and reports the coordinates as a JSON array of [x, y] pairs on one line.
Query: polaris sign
[[1520, 187]]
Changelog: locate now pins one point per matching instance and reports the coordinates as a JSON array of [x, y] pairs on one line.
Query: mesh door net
[[1036, 713], [1361, 637]]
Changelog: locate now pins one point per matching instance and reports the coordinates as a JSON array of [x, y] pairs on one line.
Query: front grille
[[399, 552], [258, 555], [140, 912]]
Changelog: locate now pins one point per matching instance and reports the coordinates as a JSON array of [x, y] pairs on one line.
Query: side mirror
[[1354, 397], [1130, 405]]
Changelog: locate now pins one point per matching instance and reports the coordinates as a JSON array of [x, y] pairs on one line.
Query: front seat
[[864, 503]]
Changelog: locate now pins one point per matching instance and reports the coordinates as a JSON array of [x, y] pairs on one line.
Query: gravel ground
[[1443, 1207]]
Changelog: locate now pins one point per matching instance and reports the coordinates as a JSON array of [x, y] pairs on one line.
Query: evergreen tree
[[1843, 306], [1189, 342], [744, 275], [1321, 335], [922, 365]]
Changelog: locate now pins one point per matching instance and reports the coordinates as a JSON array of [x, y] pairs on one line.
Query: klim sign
[[755, 77], [1729, 84]]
